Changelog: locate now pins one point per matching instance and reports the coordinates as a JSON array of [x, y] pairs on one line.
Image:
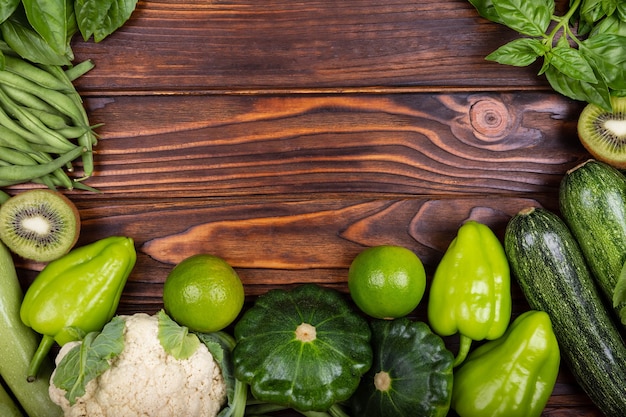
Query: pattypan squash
[[411, 374], [305, 348]]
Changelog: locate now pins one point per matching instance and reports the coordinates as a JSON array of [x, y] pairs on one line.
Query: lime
[[387, 281], [203, 293]]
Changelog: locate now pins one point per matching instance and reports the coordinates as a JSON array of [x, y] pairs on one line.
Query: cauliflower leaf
[[175, 339], [89, 359]]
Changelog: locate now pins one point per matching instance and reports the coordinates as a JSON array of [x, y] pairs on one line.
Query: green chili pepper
[[512, 376], [77, 293], [471, 289]]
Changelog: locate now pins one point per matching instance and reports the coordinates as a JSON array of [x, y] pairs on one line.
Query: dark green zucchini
[[592, 200], [550, 268]]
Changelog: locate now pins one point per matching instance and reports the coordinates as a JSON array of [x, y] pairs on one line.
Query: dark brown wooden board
[[288, 136]]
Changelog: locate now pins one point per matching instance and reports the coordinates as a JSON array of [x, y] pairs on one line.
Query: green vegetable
[[583, 50], [89, 359], [176, 340], [8, 408], [592, 200], [470, 292], [17, 345], [221, 346], [554, 277], [411, 374], [512, 376], [305, 348], [77, 293], [42, 30]]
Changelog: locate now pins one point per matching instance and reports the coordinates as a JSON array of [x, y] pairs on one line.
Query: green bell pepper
[[512, 376], [77, 293], [471, 289]]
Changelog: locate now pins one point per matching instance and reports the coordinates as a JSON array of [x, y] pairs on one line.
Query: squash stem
[[464, 347], [40, 354]]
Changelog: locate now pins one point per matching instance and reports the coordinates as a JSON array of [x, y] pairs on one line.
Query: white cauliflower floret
[[146, 381]]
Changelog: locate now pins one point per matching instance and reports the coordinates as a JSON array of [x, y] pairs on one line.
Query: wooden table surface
[[287, 136]]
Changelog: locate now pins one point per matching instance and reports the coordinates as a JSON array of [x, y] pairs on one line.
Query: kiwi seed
[[39, 224], [603, 133]]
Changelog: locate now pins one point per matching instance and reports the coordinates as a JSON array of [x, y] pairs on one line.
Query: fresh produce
[[204, 293], [77, 293], [552, 273], [583, 49], [470, 292], [411, 374], [42, 31], [39, 224], [592, 200], [18, 343], [602, 132], [43, 124], [139, 365], [512, 376], [8, 408], [386, 281], [304, 348]]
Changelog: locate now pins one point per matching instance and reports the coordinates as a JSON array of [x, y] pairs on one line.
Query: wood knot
[[490, 119]]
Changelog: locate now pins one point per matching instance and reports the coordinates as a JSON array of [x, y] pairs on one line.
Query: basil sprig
[[41, 30], [583, 50]]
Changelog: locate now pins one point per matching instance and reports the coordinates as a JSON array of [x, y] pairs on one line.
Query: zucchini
[[17, 346], [550, 268], [592, 200]]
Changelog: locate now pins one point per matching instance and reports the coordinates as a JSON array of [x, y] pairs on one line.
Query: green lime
[[204, 293], [387, 281]]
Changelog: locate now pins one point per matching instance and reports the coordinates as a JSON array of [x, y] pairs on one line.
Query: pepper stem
[[40, 355], [464, 347]]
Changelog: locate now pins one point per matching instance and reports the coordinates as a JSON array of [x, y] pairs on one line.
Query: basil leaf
[[49, 19], [579, 90], [29, 45], [528, 17], [519, 52], [100, 18], [591, 10], [608, 53], [89, 359], [176, 340], [572, 63], [7, 7], [610, 25], [486, 9]]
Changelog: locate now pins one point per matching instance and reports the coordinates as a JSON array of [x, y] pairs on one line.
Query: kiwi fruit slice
[[603, 133], [39, 224]]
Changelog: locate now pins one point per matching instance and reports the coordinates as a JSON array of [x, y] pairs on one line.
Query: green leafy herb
[[583, 50], [175, 339], [100, 18], [89, 359]]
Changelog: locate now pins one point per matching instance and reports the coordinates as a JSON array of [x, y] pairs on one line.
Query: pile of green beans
[[44, 127]]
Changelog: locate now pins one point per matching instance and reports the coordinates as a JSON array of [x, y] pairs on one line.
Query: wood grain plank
[[237, 46], [283, 145]]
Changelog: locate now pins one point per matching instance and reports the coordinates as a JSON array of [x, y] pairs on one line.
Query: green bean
[[51, 120], [4, 196], [88, 139], [15, 157], [13, 140], [59, 174], [33, 73], [78, 70], [29, 100], [32, 123], [58, 100], [17, 174]]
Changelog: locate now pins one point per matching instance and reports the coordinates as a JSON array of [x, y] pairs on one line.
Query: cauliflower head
[[144, 380]]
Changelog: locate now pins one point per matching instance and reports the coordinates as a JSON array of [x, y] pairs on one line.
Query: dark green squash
[[411, 374], [305, 348]]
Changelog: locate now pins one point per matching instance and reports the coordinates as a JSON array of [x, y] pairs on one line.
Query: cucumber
[[17, 346], [592, 201], [550, 268]]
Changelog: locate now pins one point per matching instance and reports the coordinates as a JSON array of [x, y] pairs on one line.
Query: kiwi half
[[40, 224], [603, 133]]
